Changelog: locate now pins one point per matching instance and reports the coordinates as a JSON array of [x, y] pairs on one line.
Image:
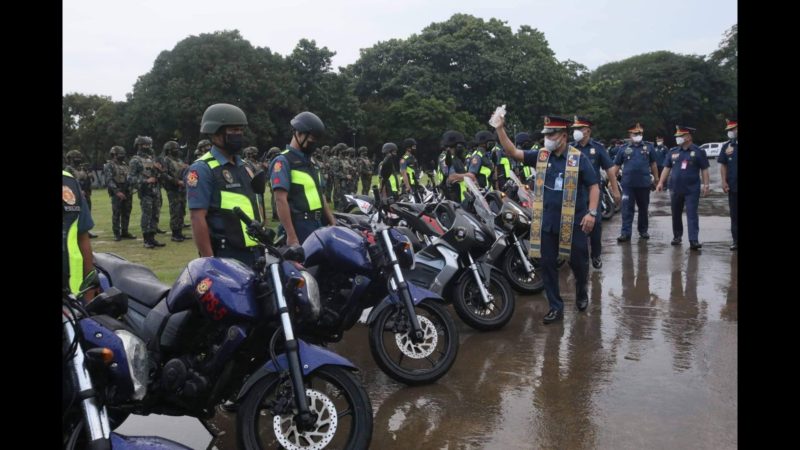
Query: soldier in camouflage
[[144, 176], [116, 171], [174, 171], [364, 170], [79, 170], [322, 158], [251, 160], [202, 147]]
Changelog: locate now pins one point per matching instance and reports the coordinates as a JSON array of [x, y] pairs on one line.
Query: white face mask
[[637, 139], [550, 145], [731, 134], [660, 142], [679, 140], [577, 135]]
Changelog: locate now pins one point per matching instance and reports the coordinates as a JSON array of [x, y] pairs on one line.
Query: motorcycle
[[407, 323], [100, 358], [226, 331]]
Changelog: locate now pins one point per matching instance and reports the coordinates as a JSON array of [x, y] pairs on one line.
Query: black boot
[[177, 236], [127, 235], [148, 240]]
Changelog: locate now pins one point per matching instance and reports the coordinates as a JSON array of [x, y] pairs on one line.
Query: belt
[[309, 215]]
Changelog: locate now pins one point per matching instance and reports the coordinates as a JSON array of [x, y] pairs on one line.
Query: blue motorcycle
[[92, 375], [412, 336], [225, 331]]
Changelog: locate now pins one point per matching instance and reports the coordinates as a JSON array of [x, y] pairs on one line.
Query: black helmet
[[221, 115], [482, 137], [408, 143], [308, 122], [522, 137], [451, 138], [389, 147]]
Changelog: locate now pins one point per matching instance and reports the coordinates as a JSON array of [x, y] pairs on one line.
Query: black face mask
[[234, 143], [459, 153]]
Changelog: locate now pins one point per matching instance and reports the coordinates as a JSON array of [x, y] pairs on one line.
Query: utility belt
[[308, 215]]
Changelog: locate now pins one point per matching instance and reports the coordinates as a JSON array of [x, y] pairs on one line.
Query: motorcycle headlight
[[312, 291], [138, 362], [508, 216]]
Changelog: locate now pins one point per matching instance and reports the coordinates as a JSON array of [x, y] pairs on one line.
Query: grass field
[[167, 262]]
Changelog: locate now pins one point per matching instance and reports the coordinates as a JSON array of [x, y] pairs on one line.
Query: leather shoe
[[553, 315]]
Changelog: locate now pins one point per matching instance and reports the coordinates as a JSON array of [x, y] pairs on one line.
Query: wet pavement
[[652, 363]]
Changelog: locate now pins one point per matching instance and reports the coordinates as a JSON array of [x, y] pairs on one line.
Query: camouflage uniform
[[322, 162], [251, 160], [364, 170], [351, 171], [174, 171], [143, 167], [116, 174]]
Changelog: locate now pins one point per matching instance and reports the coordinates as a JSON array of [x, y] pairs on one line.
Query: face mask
[[637, 139], [660, 142], [550, 144], [577, 135], [731, 135], [233, 142], [679, 140]]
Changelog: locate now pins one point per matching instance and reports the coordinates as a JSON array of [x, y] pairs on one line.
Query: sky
[[108, 44]]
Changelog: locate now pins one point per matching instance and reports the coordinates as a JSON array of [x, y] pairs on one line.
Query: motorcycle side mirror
[[111, 302], [259, 182]]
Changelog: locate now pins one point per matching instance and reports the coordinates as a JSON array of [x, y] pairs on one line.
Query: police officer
[[454, 143], [685, 163], [728, 160], [298, 197], [217, 183], [638, 162], [116, 172], [661, 153], [364, 170], [76, 167], [144, 176], [441, 169], [480, 163], [598, 157], [523, 141], [387, 171], [409, 167], [565, 208], [76, 250], [174, 172], [503, 166]]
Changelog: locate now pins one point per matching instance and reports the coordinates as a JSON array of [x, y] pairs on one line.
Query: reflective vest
[[233, 184], [71, 257], [410, 170]]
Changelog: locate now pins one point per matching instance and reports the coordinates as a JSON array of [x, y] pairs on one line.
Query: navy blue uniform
[[598, 157], [551, 224], [684, 177], [661, 156], [280, 169], [635, 160], [729, 156]]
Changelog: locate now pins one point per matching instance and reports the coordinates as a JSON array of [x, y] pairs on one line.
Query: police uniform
[[217, 185], [481, 166], [661, 155], [441, 170], [551, 226], [455, 190], [408, 164], [76, 219], [293, 172], [635, 160], [685, 168], [599, 158], [390, 180], [729, 157], [116, 175]]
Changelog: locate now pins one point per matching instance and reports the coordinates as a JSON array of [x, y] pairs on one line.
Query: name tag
[[237, 185], [559, 184], [684, 164]]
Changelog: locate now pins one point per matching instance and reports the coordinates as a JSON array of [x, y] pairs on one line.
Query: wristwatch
[[593, 212]]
